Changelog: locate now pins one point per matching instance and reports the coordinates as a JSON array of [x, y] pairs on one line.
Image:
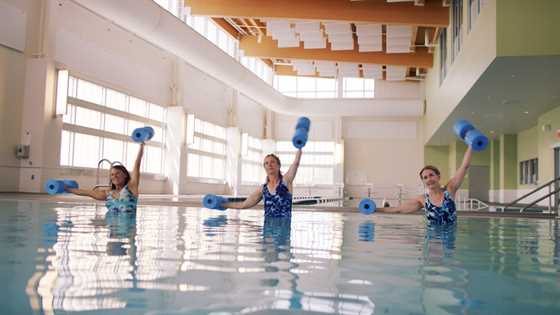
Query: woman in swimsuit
[[276, 191], [123, 195], [438, 202]]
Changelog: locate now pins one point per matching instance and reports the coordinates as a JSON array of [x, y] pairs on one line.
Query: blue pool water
[[63, 258]]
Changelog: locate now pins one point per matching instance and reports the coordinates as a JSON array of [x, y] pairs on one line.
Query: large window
[[442, 54], [529, 172], [251, 160], [207, 150], [457, 26], [258, 67], [97, 124], [306, 87], [317, 163], [357, 87]]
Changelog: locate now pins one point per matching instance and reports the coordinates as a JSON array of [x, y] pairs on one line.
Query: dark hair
[[126, 174], [277, 161], [429, 167]]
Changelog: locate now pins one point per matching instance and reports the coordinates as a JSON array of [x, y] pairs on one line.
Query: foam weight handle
[[150, 132], [300, 138], [70, 183], [367, 206], [461, 127], [476, 140], [303, 123]]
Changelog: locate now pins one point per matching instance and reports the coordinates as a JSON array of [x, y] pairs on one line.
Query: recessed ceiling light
[[525, 112]]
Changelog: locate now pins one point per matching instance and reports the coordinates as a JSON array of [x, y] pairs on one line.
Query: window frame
[[69, 125]]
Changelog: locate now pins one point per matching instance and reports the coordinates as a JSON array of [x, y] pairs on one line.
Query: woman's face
[[118, 177], [271, 166], [430, 178]]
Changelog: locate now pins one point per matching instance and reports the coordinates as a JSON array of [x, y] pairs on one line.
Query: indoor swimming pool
[[60, 258]]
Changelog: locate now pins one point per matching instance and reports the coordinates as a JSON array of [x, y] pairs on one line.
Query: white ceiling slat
[[347, 69], [337, 28], [313, 44], [304, 67], [399, 38], [369, 37], [341, 37], [326, 68], [372, 29], [370, 47], [307, 26], [372, 71], [311, 36], [286, 43], [399, 31], [395, 73], [342, 45]]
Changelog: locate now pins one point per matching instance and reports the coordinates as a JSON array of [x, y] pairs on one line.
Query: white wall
[[382, 153], [12, 64], [322, 128], [250, 116], [477, 53], [203, 95], [90, 46]]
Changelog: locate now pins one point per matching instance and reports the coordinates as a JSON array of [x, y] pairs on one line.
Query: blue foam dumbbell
[[472, 137], [476, 140], [56, 186], [300, 138], [214, 202], [367, 206], [461, 127], [142, 134], [303, 123], [302, 132]]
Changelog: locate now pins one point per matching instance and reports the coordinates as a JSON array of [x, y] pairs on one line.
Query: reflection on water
[[166, 260]]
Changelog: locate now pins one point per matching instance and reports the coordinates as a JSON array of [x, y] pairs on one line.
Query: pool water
[[63, 258]]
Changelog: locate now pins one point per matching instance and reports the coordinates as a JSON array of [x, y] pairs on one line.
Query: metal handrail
[[541, 199], [549, 183], [97, 185]]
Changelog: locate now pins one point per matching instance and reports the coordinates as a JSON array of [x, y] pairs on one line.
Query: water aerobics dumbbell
[[56, 186], [302, 130], [472, 137], [367, 206], [215, 202], [142, 134]]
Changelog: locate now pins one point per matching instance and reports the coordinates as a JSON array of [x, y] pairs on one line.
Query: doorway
[[479, 182]]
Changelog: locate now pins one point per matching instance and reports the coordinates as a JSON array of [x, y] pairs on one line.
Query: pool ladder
[[97, 185]]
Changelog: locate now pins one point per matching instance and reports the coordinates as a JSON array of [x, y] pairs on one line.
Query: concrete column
[[175, 149], [40, 127], [233, 160], [233, 146], [508, 168], [494, 147]]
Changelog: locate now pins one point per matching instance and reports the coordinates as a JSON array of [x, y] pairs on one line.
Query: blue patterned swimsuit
[[444, 214], [278, 204], [125, 203]]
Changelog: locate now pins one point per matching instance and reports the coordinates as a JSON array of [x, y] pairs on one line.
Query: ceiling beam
[[268, 48], [224, 25], [432, 14]]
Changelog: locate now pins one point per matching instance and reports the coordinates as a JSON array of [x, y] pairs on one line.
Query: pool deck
[[195, 201]]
